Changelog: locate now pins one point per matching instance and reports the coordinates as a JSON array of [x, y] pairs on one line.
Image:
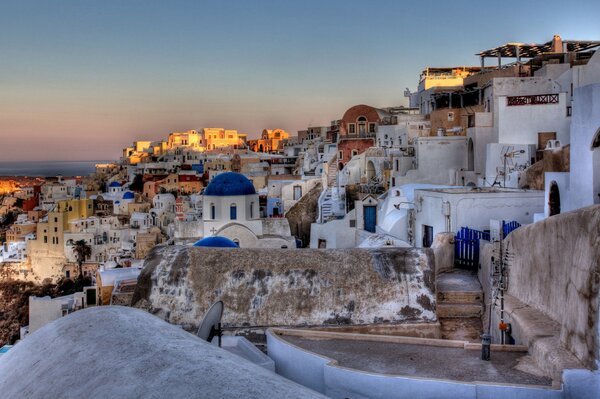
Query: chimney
[[557, 45]]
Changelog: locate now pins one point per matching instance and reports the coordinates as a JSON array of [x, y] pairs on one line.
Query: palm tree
[[82, 251]]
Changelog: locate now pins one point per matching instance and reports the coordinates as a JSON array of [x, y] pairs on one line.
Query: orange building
[[269, 140]]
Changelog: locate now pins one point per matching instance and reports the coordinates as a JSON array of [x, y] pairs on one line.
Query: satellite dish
[[211, 324]]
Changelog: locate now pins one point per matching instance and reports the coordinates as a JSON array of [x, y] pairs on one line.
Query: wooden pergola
[[532, 50]]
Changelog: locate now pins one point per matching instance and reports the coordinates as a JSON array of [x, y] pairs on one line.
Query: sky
[[80, 80]]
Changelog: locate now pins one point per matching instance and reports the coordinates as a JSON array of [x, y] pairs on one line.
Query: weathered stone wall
[[443, 250], [553, 161], [266, 287], [303, 214], [556, 269]]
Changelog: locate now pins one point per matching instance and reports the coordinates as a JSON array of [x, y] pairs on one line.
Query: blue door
[[233, 212], [370, 216]]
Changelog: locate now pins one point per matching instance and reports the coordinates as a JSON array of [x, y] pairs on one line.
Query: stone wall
[[556, 269], [303, 214], [553, 161], [284, 287]]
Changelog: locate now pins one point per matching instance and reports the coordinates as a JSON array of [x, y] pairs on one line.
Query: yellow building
[[137, 152], [18, 231], [75, 209], [269, 140], [191, 138], [445, 77], [216, 137]]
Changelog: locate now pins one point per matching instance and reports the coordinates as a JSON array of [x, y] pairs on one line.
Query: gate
[[466, 248], [508, 227]]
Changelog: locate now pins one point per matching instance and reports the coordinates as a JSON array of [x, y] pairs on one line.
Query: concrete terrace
[[423, 358]]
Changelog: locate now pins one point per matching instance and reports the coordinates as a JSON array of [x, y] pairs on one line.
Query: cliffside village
[[479, 152]]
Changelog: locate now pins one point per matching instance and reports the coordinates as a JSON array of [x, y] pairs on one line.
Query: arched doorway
[[596, 166], [340, 166], [554, 199], [470, 155]]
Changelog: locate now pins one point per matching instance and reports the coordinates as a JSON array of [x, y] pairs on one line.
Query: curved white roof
[[121, 352]]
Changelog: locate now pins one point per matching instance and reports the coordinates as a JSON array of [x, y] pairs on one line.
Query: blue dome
[[128, 195], [216, 242], [115, 184], [230, 183]]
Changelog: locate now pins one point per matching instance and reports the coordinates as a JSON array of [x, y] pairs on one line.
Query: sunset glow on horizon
[[81, 80]]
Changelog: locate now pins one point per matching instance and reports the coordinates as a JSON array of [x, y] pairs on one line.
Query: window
[[352, 128], [450, 116], [233, 212], [341, 154], [297, 192], [251, 210], [371, 128], [213, 212], [569, 111], [45, 239]]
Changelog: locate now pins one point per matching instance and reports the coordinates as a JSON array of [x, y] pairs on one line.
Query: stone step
[[462, 329], [474, 297], [461, 310]]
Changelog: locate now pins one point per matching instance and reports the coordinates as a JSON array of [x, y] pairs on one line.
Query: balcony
[[540, 99]]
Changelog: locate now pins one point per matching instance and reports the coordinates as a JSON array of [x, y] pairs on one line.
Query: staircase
[[332, 171], [326, 205], [459, 305]]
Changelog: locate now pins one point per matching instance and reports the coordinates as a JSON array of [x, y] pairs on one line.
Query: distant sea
[[48, 168]]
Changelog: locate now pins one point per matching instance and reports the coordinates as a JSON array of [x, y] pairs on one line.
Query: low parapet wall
[[266, 287], [555, 269]]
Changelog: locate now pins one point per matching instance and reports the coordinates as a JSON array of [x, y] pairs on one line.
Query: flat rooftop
[[426, 361], [478, 190]]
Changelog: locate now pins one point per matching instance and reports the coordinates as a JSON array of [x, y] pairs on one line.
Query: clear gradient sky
[[80, 79]]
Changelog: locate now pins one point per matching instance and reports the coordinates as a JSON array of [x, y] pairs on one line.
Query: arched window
[[554, 199], [596, 140], [233, 212]]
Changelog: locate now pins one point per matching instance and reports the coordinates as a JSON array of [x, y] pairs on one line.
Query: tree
[[82, 251]]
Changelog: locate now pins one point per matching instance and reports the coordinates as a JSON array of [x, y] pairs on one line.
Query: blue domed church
[[230, 209]]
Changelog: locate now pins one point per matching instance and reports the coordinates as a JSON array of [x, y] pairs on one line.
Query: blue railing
[[508, 227]]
